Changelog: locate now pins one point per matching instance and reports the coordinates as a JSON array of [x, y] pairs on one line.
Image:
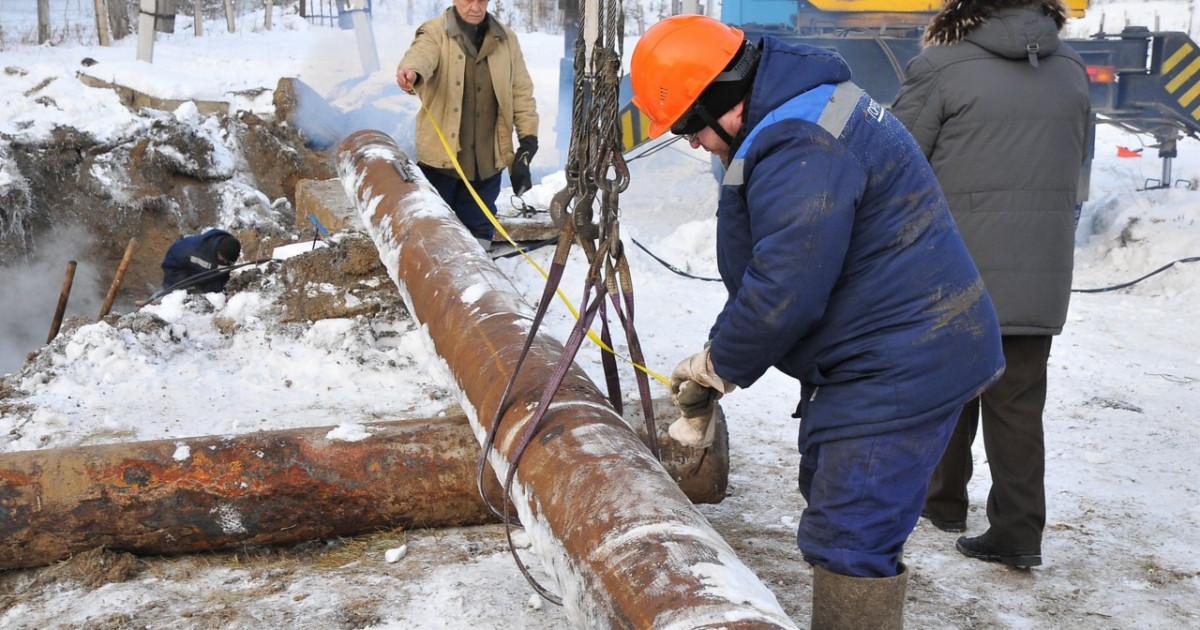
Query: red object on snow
[[1127, 152]]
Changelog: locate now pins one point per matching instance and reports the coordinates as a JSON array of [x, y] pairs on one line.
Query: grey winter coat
[[1002, 116]]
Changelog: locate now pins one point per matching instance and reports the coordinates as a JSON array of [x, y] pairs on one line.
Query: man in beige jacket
[[469, 72]]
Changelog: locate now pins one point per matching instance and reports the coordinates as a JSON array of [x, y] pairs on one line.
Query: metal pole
[[624, 546], [116, 283], [63, 296], [368, 53], [146, 13]]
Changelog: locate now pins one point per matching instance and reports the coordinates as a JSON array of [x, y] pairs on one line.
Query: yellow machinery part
[[1077, 7]]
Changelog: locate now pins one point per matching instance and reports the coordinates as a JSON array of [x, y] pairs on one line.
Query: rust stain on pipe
[[197, 494], [624, 546], [207, 493]]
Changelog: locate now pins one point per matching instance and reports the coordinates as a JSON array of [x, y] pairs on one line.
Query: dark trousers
[[864, 496], [456, 195], [1016, 452]]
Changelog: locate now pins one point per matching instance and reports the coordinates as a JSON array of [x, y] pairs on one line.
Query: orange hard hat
[[674, 61]]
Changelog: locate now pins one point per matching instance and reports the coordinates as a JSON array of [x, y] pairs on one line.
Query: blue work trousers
[[458, 197], [865, 495]]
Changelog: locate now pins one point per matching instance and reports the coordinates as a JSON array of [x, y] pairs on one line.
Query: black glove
[[519, 173]]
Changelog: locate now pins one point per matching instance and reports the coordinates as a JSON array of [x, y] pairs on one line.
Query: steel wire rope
[[594, 165]]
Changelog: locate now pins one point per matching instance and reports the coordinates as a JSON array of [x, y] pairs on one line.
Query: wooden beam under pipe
[[177, 496], [624, 546]]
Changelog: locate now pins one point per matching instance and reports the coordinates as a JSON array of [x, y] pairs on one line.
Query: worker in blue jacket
[[197, 254], [844, 270]]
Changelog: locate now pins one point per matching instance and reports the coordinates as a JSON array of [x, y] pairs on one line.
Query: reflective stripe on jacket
[[842, 262]]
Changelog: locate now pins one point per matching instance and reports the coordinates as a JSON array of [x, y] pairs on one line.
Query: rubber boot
[[841, 602]]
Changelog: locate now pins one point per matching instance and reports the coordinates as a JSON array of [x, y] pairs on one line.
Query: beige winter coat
[[441, 64]]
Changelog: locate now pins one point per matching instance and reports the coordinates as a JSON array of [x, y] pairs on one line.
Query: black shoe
[[981, 548], [944, 525]]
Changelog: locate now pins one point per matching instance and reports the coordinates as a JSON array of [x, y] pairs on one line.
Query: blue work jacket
[[191, 255], [843, 266]]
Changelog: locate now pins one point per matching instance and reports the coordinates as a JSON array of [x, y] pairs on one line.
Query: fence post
[[146, 12], [43, 8], [101, 21], [367, 52]]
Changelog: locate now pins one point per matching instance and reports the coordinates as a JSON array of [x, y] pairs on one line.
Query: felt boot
[[841, 602]]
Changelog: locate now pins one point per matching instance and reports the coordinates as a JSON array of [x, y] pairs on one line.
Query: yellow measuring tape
[[499, 228]]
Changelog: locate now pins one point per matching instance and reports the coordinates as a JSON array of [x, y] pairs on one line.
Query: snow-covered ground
[[1123, 482]]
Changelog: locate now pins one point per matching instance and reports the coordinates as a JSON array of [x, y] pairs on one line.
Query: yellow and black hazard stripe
[[1181, 71], [635, 127]]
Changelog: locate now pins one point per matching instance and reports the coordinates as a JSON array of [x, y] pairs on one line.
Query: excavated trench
[[71, 197]]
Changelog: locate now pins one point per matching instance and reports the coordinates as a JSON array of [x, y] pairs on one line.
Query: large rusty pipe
[[176, 496], [274, 487], [623, 545]]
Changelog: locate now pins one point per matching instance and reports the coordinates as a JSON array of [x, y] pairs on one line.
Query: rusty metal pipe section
[[618, 540], [273, 487], [205, 493]]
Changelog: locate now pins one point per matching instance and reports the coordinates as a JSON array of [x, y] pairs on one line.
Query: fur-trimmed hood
[[958, 18]]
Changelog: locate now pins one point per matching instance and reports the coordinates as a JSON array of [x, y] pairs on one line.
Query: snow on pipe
[[622, 544], [273, 487]]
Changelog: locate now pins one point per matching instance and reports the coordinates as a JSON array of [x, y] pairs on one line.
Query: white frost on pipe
[[692, 546]]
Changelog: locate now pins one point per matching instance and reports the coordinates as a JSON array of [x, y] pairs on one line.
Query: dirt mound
[[175, 174], [346, 279]]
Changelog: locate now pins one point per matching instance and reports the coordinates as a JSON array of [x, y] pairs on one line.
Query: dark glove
[[693, 399], [699, 413], [519, 173]]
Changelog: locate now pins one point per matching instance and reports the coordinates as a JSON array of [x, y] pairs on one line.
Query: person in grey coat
[[999, 104]]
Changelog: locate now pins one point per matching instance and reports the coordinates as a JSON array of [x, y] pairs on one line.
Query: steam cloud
[[30, 293]]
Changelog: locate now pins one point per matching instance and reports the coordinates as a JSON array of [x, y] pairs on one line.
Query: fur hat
[[726, 90], [959, 17], [229, 249]]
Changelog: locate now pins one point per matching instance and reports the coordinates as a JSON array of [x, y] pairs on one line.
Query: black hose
[[1133, 282], [1100, 290], [670, 266], [538, 245], [204, 275]]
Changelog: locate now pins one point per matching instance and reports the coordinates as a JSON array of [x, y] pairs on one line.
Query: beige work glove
[[695, 389]]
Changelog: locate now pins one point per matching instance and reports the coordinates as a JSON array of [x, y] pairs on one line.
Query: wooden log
[[120, 275], [63, 296]]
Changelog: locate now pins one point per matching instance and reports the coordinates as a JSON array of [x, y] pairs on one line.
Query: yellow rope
[[499, 228]]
